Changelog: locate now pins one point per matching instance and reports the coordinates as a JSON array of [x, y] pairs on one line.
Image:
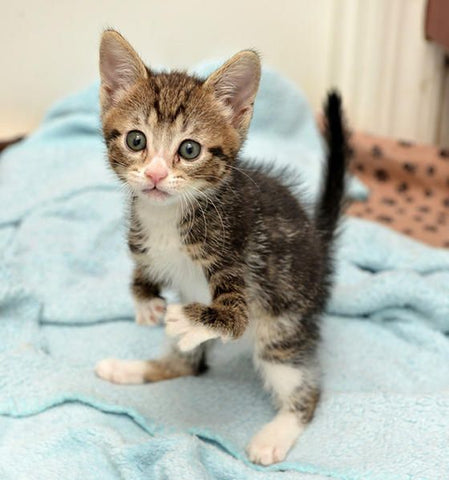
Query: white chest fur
[[167, 260]]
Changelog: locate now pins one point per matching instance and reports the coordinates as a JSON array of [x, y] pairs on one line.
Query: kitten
[[228, 236]]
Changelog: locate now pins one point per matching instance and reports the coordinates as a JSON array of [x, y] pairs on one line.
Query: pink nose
[[156, 172]]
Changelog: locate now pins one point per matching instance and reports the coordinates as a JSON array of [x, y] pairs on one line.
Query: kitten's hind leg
[[174, 364], [289, 370]]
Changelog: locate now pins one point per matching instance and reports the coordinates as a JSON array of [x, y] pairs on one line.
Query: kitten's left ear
[[235, 84], [120, 67]]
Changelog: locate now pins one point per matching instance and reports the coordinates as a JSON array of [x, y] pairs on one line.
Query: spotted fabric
[[409, 186]]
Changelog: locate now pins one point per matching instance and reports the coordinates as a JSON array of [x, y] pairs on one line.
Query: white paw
[[272, 443], [122, 371], [150, 312], [191, 335]]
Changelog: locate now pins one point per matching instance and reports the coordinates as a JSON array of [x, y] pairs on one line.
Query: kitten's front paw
[[191, 335], [150, 312]]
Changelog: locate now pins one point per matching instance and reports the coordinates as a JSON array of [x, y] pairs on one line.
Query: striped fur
[[229, 236]]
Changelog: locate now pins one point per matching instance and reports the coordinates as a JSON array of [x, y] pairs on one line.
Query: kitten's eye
[[189, 149], [136, 140]]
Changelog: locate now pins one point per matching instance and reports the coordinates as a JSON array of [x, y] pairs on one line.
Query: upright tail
[[331, 200]]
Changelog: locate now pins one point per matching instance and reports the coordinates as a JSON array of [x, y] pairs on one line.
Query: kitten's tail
[[331, 201]]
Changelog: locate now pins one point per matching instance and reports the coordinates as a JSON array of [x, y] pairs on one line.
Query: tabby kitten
[[228, 236]]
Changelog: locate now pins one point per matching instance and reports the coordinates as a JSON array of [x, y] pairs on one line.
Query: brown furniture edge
[[437, 22]]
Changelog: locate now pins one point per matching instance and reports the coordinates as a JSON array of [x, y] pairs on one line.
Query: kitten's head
[[171, 135]]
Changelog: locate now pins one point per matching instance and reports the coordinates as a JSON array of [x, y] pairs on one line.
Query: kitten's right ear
[[120, 68]]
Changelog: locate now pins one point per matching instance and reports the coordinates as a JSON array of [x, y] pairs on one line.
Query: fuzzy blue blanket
[[64, 304]]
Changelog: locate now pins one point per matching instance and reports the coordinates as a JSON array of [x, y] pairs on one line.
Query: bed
[[65, 304]]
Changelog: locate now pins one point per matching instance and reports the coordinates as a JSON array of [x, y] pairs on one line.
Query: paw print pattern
[[409, 185]]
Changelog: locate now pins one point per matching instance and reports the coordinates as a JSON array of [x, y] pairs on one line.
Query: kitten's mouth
[[155, 193]]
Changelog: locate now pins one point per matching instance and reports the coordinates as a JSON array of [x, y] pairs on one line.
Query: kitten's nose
[[156, 171]]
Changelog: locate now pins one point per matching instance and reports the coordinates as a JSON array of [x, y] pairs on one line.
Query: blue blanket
[[64, 304]]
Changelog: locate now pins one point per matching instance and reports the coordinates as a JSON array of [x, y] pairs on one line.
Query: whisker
[[246, 175], [190, 209], [215, 176], [195, 200], [208, 199]]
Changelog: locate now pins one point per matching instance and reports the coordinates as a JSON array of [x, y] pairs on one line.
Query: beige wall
[[49, 49]]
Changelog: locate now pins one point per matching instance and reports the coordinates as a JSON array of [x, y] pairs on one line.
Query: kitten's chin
[[157, 197], [155, 194]]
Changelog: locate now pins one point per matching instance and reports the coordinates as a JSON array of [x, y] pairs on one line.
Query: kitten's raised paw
[[191, 335], [122, 371], [150, 312]]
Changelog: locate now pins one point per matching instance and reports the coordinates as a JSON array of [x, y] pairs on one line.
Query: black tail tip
[[333, 104]]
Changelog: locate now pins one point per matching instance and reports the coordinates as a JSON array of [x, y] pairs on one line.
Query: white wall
[[49, 49], [391, 77]]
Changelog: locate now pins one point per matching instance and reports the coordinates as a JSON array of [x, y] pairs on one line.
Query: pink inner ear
[[117, 74], [120, 66], [237, 87], [238, 116], [242, 96], [108, 89], [235, 84]]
